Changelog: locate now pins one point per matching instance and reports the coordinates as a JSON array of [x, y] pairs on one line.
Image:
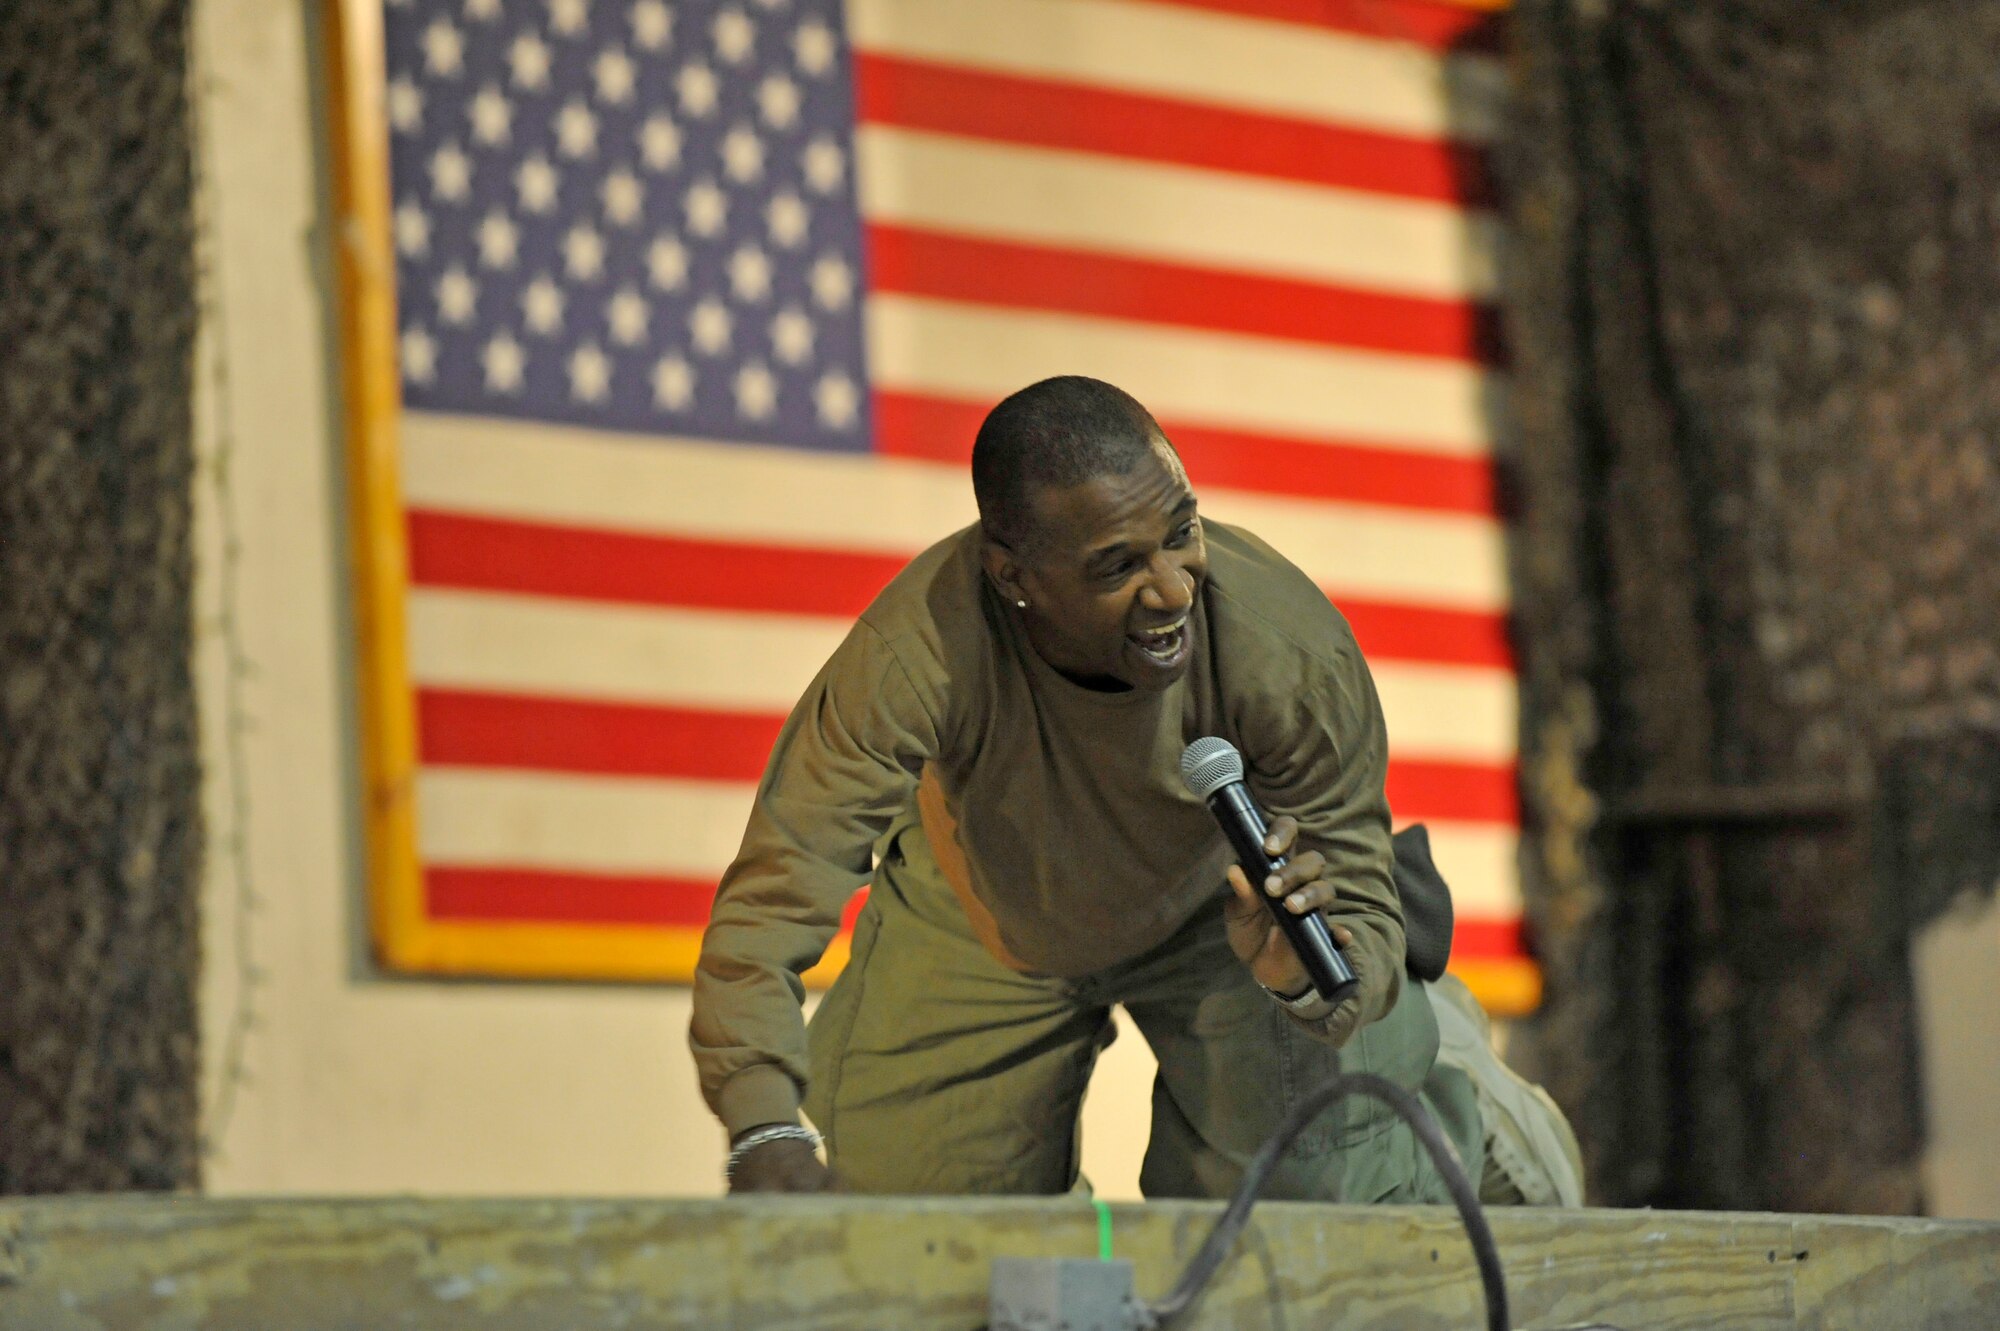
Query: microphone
[[1213, 770]]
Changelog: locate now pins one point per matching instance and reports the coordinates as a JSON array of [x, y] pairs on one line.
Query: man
[[995, 747]]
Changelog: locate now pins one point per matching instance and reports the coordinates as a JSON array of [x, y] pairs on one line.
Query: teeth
[[1162, 632]]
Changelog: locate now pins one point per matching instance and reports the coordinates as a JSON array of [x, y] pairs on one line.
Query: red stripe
[[1462, 792], [550, 896], [957, 99], [531, 559], [933, 429], [1488, 939], [1440, 27], [1391, 632], [464, 892], [495, 554], [991, 272], [473, 729]]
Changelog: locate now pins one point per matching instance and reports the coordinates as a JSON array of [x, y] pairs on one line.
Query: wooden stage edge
[[67, 1264]]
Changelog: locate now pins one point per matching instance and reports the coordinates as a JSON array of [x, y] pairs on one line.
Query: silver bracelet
[[770, 1132]]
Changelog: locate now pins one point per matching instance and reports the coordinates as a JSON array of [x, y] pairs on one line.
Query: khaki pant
[[935, 1069]]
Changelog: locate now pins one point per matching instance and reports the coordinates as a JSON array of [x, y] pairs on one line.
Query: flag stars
[[824, 164], [707, 208], [576, 130], [659, 142], [499, 240], [569, 17], [451, 173], [831, 281], [667, 263], [583, 252], [836, 401], [504, 362], [778, 100], [483, 11], [652, 25], [614, 75], [624, 197], [626, 316], [419, 352], [698, 90], [813, 47], [792, 336], [457, 296], [492, 116], [735, 36], [750, 274], [673, 383], [413, 231], [535, 184], [742, 155], [711, 327], [756, 392], [542, 306], [787, 217], [444, 49], [528, 60], [406, 106], [589, 374]]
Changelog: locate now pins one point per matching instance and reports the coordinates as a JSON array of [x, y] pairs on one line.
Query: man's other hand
[[786, 1165], [1254, 936]]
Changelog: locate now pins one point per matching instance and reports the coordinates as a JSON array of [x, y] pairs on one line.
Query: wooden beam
[[70, 1264]]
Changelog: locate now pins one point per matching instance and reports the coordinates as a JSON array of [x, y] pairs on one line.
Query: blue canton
[[629, 214]]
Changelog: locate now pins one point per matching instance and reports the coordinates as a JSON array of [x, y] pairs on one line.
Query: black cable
[[1237, 1214]]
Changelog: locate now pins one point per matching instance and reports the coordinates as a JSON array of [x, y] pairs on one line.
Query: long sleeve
[[1317, 749], [844, 766]]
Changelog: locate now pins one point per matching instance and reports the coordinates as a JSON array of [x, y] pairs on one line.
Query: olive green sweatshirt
[[1078, 835]]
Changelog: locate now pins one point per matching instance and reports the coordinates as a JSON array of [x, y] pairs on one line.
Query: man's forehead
[[1091, 514]]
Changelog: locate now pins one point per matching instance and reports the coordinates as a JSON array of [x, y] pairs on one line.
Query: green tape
[[1103, 1229]]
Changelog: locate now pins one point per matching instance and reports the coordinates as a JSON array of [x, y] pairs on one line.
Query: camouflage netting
[[99, 785], [1755, 307]]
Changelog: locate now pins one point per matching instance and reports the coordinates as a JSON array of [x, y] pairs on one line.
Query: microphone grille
[[1209, 764]]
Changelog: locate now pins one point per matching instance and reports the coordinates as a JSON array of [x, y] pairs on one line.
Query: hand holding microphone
[[1292, 949]]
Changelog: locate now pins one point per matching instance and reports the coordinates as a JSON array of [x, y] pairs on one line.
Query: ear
[[1004, 569]]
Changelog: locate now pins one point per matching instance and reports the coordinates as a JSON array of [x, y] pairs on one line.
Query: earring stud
[[1022, 604]]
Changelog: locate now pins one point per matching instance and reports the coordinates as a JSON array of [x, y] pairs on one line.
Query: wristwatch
[[1306, 1004], [770, 1132]]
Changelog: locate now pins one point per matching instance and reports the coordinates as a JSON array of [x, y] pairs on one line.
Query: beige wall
[[357, 1083], [1957, 961]]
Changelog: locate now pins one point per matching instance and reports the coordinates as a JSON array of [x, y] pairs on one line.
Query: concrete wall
[[351, 1082]]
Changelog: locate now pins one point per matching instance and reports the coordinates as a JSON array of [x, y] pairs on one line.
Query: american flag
[[700, 304]]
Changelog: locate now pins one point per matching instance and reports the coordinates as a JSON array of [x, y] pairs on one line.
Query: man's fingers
[[1316, 895], [1283, 831], [1296, 874]]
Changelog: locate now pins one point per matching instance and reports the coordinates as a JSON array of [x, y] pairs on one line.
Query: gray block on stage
[[1062, 1294]]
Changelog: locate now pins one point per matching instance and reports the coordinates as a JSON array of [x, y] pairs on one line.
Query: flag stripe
[[731, 661], [955, 349], [1043, 113], [936, 429], [890, 506], [1329, 74], [571, 822], [1437, 26], [465, 729], [473, 553], [966, 268], [492, 892], [1176, 214]]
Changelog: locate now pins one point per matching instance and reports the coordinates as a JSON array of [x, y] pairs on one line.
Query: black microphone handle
[[1243, 823]]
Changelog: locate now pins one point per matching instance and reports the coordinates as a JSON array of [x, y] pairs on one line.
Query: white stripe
[[1175, 213], [1477, 861], [958, 350], [1281, 69], [739, 662], [569, 476], [650, 825], [591, 824]]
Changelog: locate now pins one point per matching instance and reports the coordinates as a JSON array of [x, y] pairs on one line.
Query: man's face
[[1113, 577]]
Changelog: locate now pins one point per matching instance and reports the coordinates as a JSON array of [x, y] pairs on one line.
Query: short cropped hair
[[1057, 433]]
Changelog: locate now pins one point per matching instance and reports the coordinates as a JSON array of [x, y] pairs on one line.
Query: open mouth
[[1165, 645]]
